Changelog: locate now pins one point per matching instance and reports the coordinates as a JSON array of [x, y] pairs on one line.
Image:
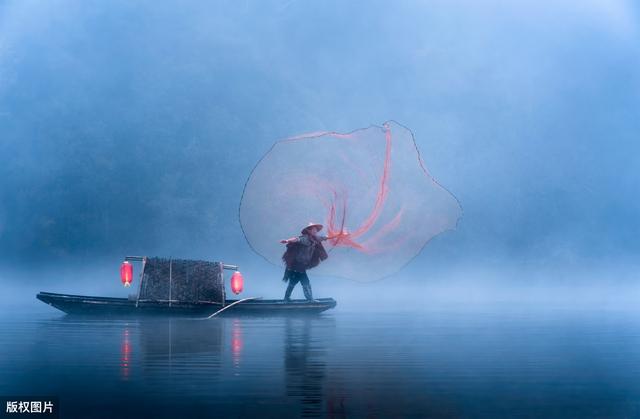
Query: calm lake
[[472, 361]]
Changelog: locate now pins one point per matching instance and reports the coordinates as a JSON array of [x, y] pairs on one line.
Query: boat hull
[[119, 307]]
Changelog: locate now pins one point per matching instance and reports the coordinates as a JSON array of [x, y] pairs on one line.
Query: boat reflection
[[237, 362], [173, 338], [170, 348]]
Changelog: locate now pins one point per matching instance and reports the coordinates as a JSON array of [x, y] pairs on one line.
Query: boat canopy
[[182, 281]]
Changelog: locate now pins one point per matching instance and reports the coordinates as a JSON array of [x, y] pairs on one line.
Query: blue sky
[[130, 128]]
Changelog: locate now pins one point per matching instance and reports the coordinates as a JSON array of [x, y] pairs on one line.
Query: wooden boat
[[108, 306], [180, 288]]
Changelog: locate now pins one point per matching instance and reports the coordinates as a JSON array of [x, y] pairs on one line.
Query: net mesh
[[369, 188]]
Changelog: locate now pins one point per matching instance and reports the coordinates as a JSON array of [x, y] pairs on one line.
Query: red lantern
[[126, 273], [236, 282]]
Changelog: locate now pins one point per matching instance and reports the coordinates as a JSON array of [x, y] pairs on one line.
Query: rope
[[231, 305]]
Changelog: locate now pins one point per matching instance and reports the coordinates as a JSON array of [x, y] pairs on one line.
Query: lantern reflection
[[236, 342], [125, 355]]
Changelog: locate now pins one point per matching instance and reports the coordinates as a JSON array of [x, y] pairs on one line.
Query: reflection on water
[[304, 361], [452, 363], [125, 354], [172, 338], [236, 341]]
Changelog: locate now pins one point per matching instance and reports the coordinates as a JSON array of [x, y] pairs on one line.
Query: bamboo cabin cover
[[184, 281]]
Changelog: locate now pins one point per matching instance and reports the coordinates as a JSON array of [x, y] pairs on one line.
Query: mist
[[131, 128]]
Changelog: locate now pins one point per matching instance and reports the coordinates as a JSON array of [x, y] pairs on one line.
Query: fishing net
[[369, 188]]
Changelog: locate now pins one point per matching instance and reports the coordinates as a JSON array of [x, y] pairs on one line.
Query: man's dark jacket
[[294, 263]]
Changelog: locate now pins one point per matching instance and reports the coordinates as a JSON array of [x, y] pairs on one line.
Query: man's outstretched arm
[[291, 240]]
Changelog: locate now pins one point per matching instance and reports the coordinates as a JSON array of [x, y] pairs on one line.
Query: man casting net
[[369, 188]]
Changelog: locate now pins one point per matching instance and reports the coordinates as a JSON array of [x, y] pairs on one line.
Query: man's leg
[[293, 280], [306, 286]]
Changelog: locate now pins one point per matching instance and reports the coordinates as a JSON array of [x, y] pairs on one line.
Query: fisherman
[[303, 252]]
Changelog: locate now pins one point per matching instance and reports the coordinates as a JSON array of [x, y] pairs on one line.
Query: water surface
[[471, 361]]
